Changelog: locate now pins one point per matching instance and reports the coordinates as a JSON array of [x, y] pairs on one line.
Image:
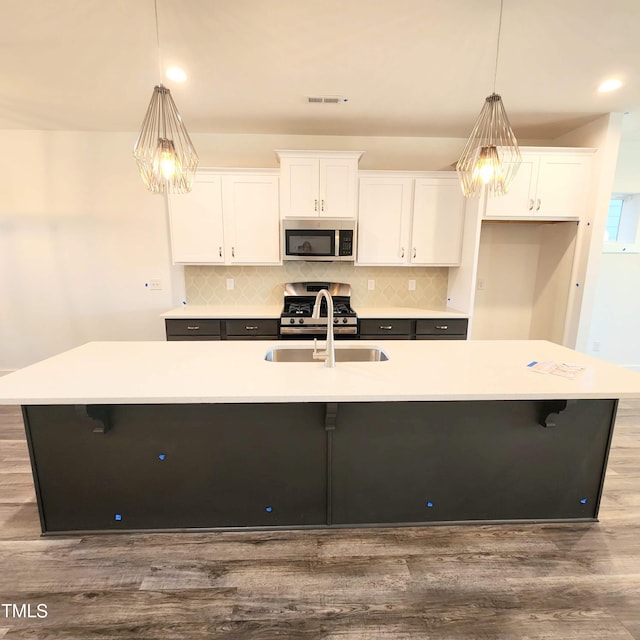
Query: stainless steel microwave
[[321, 239]]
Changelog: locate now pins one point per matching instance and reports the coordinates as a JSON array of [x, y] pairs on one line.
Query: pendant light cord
[[155, 5], [495, 73]]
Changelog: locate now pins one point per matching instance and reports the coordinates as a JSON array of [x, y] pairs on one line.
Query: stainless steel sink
[[344, 354]]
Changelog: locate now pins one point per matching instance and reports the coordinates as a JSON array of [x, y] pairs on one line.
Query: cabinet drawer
[[441, 327], [195, 338], [386, 327], [249, 328], [193, 327]]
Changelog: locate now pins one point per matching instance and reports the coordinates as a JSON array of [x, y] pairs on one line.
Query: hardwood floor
[[467, 582]]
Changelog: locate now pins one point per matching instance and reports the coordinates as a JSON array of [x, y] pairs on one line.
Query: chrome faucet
[[329, 353]]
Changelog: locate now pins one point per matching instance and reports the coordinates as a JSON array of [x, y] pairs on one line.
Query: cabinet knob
[[414, 252], [402, 252], [220, 251]]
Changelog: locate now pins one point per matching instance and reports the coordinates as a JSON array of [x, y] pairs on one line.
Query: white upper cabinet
[[318, 184], [197, 232], [408, 220], [251, 218], [228, 218], [384, 219], [438, 221], [550, 184]]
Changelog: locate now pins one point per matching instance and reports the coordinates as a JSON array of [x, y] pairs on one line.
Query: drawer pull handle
[[220, 251], [538, 203], [444, 327], [531, 204], [387, 327], [250, 327], [315, 205], [190, 328]]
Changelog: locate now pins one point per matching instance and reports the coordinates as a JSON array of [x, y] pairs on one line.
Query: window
[[613, 220], [622, 230]]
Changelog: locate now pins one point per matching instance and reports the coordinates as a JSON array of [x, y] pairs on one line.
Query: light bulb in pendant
[[165, 162]]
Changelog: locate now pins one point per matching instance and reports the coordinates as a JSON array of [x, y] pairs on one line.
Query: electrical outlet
[[595, 347], [480, 284], [231, 284], [412, 285], [154, 285], [371, 285]]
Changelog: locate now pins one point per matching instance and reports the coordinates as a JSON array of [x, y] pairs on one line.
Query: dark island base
[[208, 466]]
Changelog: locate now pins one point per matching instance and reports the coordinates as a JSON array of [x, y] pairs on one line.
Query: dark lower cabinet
[[180, 466], [459, 461], [131, 467]]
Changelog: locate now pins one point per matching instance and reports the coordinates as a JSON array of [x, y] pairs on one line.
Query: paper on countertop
[[564, 369]]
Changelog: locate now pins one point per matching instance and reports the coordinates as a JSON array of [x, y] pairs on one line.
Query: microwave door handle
[[336, 247]]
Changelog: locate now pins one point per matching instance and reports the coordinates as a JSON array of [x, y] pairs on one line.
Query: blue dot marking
[[118, 517], [162, 456], [269, 509], [583, 501], [429, 504]]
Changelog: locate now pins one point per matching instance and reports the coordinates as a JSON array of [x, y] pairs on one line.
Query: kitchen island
[[207, 435]]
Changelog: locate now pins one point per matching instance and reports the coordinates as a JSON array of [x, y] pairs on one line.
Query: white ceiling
[[407, 67]]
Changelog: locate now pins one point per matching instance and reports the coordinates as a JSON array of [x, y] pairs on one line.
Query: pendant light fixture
[[164, 152], [491, 157]]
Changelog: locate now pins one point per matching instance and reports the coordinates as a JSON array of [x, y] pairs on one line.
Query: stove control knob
[[292, 320], [301, 321], [336, 320], [344, 321]]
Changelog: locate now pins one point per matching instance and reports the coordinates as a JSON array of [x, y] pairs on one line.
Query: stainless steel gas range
[[296, 320]]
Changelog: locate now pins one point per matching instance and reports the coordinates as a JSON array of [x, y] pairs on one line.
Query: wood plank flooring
[[502, 582]]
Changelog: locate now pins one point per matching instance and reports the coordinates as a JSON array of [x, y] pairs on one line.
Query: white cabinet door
[[197, 234], [550, 185], [438, 220], [251, 218], [316, 184], [299, 187], [519, 200], [563, 186], [383, 220], [338, 178]]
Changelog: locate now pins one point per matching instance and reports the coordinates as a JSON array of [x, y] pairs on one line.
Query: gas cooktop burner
[[299, 298]]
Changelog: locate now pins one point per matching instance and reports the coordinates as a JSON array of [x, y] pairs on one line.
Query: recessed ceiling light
[[176, 74], [609, 85]]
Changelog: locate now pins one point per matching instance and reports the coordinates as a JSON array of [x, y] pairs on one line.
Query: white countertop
[[407, 312], [226, 311], [273, 311], [212, 372]]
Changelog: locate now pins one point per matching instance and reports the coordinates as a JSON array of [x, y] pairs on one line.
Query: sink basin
[[344, 354]]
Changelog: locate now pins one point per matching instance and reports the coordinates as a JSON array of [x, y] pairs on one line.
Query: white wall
[[613, 334], [79, 238], [604, 135]]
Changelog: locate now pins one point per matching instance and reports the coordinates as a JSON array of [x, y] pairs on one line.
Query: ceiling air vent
[[326, 99]]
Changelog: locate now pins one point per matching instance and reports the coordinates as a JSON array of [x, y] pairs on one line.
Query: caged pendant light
[[163, 151], [491, 157]]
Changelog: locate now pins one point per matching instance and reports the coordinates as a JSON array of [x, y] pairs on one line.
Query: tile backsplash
[[263, 285]]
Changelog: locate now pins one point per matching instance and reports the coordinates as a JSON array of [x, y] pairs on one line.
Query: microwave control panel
[[346, 243]]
